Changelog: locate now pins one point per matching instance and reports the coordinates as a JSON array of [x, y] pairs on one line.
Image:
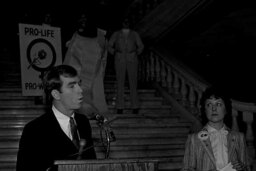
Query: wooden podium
[[107, 165]]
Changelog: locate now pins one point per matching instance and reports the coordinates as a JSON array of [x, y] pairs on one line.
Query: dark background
[[218, 41]]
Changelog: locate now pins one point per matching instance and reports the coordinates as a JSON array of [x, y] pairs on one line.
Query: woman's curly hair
[[218, 93]]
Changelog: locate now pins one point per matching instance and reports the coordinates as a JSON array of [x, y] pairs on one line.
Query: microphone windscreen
[[82, 142]]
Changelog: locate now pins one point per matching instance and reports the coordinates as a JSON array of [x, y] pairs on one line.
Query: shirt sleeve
[[139, 43]]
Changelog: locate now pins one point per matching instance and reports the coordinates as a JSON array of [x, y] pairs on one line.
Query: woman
[[216, 146], [87, 52]]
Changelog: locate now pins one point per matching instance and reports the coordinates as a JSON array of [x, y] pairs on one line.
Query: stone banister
[[177, 82]]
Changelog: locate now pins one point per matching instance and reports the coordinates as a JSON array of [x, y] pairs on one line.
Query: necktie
[[74, 133]]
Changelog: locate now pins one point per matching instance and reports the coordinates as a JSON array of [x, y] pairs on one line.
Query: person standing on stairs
[[126, 45], [87, 52], [216, 146], [57, 134]]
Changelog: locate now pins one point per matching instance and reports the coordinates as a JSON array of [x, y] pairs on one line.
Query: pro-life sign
[[40, 49]]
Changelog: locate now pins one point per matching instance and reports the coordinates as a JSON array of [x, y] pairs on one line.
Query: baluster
[[234, 120], [169, 78], [176, 84], [140, 69], [152, 66], [183, 92], [248, 118], [158, 76], [143, 69], [192, 99], [163, 74], [198, 105], [148, 70]]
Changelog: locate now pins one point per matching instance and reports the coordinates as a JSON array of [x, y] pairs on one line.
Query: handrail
[[186, 87]]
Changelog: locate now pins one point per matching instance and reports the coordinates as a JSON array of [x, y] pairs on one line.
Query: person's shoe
[[119, 111], [135, 111]]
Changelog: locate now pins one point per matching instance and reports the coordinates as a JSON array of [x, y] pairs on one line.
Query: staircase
[[156, 132]]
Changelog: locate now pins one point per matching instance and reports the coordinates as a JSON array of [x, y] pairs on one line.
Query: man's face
[[70, 95], [215, 110]]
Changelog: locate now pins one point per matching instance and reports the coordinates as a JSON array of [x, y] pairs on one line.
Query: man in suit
[[216, 147], [50, 137], [126, 45]]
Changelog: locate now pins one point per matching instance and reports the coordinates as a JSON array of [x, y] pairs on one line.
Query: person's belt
[[119, 51]]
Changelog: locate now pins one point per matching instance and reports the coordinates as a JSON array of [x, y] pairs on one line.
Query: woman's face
[[215, 110]]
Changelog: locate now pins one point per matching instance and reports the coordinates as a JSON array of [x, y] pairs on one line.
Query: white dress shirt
[[63, 121], [218, 140]]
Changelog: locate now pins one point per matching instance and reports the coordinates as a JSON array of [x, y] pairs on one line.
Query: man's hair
[[218, 93], [52, 80], [127, 21]]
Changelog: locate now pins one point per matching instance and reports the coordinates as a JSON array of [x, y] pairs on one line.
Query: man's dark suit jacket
[[43, 141]]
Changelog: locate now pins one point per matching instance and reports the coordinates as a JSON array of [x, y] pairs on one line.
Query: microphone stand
[[103, 123]]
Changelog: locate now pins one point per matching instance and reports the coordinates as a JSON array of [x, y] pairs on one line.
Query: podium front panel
[[107, 165]]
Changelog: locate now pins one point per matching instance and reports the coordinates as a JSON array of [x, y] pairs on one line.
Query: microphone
[[82, 143], [99, 118], [101, 121]]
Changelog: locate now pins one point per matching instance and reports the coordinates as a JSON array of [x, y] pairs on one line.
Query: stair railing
[[139, 8], [186, 88]]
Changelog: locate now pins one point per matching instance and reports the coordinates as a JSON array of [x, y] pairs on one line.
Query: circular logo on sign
[[41, 55]]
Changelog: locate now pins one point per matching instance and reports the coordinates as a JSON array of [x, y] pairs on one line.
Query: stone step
[[146, 106], [128, 130], [130, 149], [152, 141], [5, 131], [126, 142], [98, 146], [162, 166], [109, 88], [8, 166], [146, 119], [10, 139], [140, 91], [108, 84], [18, 98], [26, 100], [165, 164], [10, 154], [141, 103], [170, 163], [145, 154], [40, 108], [22, 109], [17, 101], [10, 84], [130, 122], [9, 92], [142, 96], [8, 113], [153, 113], [110, 98], [9, 142]]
